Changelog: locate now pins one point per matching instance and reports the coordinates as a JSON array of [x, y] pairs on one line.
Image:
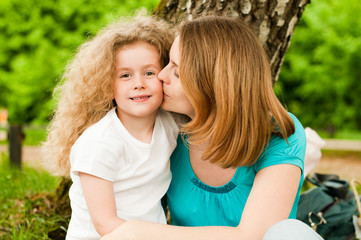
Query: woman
[[238, 166]]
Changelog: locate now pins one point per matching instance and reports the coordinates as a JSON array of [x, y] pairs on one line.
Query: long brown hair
[[226, 76], [86, 89]]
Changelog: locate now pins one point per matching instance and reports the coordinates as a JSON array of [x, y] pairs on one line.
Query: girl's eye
[[125, 75], [149, 73]]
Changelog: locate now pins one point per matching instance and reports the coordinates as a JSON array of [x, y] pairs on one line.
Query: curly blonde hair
[[86, 89]]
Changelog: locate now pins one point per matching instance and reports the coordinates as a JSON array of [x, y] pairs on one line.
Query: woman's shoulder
[[180, 154], [296, 138], [279, 150], [299, 134]]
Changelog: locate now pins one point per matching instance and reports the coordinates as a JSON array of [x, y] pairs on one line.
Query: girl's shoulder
[[99, 130], [168, 121]]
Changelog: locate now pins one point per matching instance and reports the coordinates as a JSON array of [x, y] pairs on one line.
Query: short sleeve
[[281, 152], [96, 158]]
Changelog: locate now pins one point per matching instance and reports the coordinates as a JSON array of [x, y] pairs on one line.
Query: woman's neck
[[196, 151], [209, 173], [199, 147]]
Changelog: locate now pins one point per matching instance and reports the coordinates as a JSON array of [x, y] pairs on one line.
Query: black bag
[[328, 208]]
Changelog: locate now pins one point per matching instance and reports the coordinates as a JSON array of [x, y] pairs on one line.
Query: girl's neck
[[139, 128]]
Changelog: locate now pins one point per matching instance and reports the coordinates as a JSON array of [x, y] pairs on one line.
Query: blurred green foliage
[[319, 81], [321, 74], [37, 38]]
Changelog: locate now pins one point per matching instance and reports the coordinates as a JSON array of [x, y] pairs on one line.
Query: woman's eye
[[125, 75], [176, 74]]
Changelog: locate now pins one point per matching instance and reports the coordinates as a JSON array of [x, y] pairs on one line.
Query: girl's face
[[175, 99], [137, 89]]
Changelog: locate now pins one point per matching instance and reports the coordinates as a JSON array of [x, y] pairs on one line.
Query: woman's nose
[[163, 75]]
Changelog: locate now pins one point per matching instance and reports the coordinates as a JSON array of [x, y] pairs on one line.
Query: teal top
[[193, 203]]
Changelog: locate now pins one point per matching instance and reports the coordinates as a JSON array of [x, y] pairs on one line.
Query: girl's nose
[[139, 82]]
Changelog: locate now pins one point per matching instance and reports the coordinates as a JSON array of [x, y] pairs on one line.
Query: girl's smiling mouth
[[140, 98]]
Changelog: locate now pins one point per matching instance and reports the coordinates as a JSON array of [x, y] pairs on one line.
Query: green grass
[[26, 196]]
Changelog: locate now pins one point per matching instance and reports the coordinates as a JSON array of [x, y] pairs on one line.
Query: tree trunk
[[15, 137], [273, 21]]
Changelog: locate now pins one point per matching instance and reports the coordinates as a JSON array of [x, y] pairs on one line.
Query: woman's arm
[[269, 202], [271, 199], [137, 230], [100, 200]]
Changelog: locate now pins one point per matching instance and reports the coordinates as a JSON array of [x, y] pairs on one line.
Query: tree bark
[[273, 21], [15, 137]]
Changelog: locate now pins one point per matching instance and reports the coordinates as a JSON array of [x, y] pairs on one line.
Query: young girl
[[108, 133]]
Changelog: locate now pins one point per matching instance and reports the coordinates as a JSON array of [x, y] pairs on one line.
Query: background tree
[[37, 38], [320, 78], [273, 21]]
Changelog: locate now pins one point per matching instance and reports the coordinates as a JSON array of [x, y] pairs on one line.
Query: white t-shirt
[[139, 171]]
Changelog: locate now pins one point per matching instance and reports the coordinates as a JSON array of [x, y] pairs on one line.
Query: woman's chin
[[184, 109], [167, 106]]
